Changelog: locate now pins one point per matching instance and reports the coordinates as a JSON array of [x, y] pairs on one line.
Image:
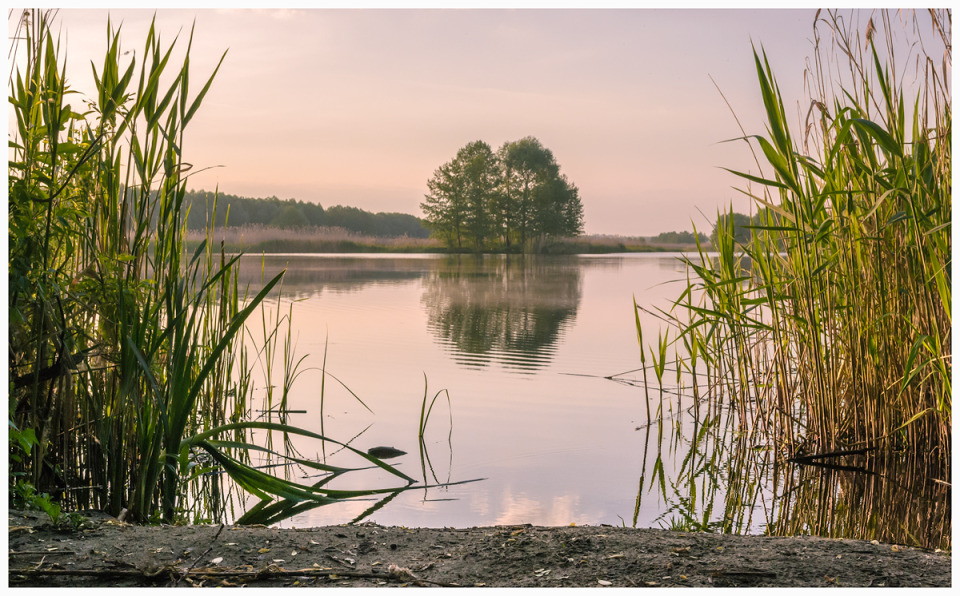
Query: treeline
[[514, 199], [237, 211], [679, 238]]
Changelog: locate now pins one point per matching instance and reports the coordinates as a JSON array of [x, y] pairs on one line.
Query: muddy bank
[[105, 552]]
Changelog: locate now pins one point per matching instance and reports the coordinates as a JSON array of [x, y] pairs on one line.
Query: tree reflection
[[509, 310]]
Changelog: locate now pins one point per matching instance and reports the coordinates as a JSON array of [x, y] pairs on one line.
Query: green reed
[[828, 333], [129, 374], [830, 329]]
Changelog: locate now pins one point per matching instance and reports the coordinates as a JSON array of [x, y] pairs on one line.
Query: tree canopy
[[512, 199]]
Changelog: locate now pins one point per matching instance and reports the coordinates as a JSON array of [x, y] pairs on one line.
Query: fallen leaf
[[263, 550], [217, 561], [650, 583], [604, 582], [541, 572], [293, 553], [874, 542], [616, 556], [517, 532], [895, 548]]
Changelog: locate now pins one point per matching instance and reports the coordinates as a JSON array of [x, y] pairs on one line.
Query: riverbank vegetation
[[255, 239], [826, 334], [130, 376]]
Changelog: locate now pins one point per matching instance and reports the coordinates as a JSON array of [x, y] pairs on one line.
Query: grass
[[829, 331], [266, 239]]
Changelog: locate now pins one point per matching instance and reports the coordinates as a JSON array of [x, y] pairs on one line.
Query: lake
[[539, 357]]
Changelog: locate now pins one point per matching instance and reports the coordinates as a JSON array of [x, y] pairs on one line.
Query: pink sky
[[359, 107]]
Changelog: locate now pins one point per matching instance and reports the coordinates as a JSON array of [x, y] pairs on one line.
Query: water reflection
[[311, 275], [889, 499], [508, 310], [726, 483]]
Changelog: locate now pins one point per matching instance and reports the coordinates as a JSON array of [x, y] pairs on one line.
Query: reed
[[829, 331], [129, 373], [315, 239]]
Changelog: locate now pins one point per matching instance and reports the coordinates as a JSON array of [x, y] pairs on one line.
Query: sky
[[360, 107]]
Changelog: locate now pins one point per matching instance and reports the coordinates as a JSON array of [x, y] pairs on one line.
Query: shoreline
[[105, 552]]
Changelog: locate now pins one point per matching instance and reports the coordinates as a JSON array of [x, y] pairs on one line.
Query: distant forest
[[290, 213]]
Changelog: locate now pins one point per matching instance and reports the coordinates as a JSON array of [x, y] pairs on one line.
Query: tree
[[445, 205], [480, 173], [557, 209], [526, 167]]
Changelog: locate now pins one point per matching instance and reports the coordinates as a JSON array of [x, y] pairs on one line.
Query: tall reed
[[129, 373], [121, 344], [829, 331]]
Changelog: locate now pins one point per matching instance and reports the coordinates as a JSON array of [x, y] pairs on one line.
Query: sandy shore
[[105, 552]]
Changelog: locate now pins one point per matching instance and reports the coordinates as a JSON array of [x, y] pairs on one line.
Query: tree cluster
[[514, 199]]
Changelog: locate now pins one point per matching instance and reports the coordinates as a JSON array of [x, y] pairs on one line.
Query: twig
[[807, 459]]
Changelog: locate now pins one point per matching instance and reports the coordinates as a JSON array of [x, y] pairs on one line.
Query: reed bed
[[310, 239], [130, 378], [828, 334]]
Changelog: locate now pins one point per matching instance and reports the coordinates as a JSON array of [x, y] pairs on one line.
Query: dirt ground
[[106, 552]]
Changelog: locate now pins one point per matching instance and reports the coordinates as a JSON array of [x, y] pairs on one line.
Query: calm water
[[524, 347]]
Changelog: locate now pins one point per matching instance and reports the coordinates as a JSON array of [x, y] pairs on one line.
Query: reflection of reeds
[[829, 331], [890, 499]]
